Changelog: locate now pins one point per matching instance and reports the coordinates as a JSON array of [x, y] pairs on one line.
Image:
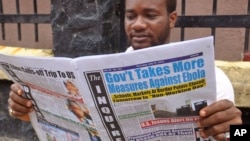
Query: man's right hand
[[19, 107]]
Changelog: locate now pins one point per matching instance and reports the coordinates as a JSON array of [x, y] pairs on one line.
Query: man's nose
[[139, 24]]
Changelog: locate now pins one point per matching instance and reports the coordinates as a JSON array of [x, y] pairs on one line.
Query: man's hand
[[216, 119], [19, 107]]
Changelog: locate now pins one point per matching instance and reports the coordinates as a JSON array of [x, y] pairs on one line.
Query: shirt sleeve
[[224, 88]]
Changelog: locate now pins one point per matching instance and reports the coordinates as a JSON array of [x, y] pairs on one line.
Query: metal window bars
[[22, 18], [206, 21]]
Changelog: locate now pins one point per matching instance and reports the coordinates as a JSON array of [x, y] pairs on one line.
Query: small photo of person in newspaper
[[94, 136], [71, 87], [80, 111]]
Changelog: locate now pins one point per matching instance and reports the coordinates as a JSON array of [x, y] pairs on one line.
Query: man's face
[[147, 22]]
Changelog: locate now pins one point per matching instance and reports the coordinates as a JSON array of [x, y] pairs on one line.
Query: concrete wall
[[238, 73], [85, 27], [229, 42]]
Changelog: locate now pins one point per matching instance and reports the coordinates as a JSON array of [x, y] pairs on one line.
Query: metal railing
[[22, 18], [215, 21], [206, 21]]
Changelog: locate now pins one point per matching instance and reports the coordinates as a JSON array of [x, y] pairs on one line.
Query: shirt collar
[[129, 49]]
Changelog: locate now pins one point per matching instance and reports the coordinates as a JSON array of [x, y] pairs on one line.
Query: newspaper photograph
[[153, 94]]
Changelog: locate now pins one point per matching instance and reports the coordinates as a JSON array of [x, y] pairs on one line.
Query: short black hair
[[171, 5]]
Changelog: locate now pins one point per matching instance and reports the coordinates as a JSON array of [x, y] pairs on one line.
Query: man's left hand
[[215, 119]]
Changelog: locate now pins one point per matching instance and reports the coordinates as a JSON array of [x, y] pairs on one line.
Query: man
[[148, 23]]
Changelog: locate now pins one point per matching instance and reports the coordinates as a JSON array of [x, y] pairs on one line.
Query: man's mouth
[[139, 38]]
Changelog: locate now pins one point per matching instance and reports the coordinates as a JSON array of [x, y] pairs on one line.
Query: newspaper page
[[152, 94]]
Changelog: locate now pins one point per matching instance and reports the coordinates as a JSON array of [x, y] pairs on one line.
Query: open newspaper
[[152, 94]]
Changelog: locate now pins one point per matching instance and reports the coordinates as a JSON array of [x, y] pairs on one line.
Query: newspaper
[[152, 94]]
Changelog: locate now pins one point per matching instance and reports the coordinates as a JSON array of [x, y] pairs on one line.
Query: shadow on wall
[[10, 128], [245, 114]]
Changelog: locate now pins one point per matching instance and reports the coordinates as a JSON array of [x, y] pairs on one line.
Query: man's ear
[[172, 19]]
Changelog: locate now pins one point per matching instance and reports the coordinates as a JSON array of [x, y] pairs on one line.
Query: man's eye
[[151, 16], [130, 16]]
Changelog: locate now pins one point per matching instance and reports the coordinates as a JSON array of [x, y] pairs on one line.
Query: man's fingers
[[216, 119], [16, 88], [219, 137], [19, 105], [216, 107], [220, 117], [19, 115], [220, 128], [17, 108], [19, 100]]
